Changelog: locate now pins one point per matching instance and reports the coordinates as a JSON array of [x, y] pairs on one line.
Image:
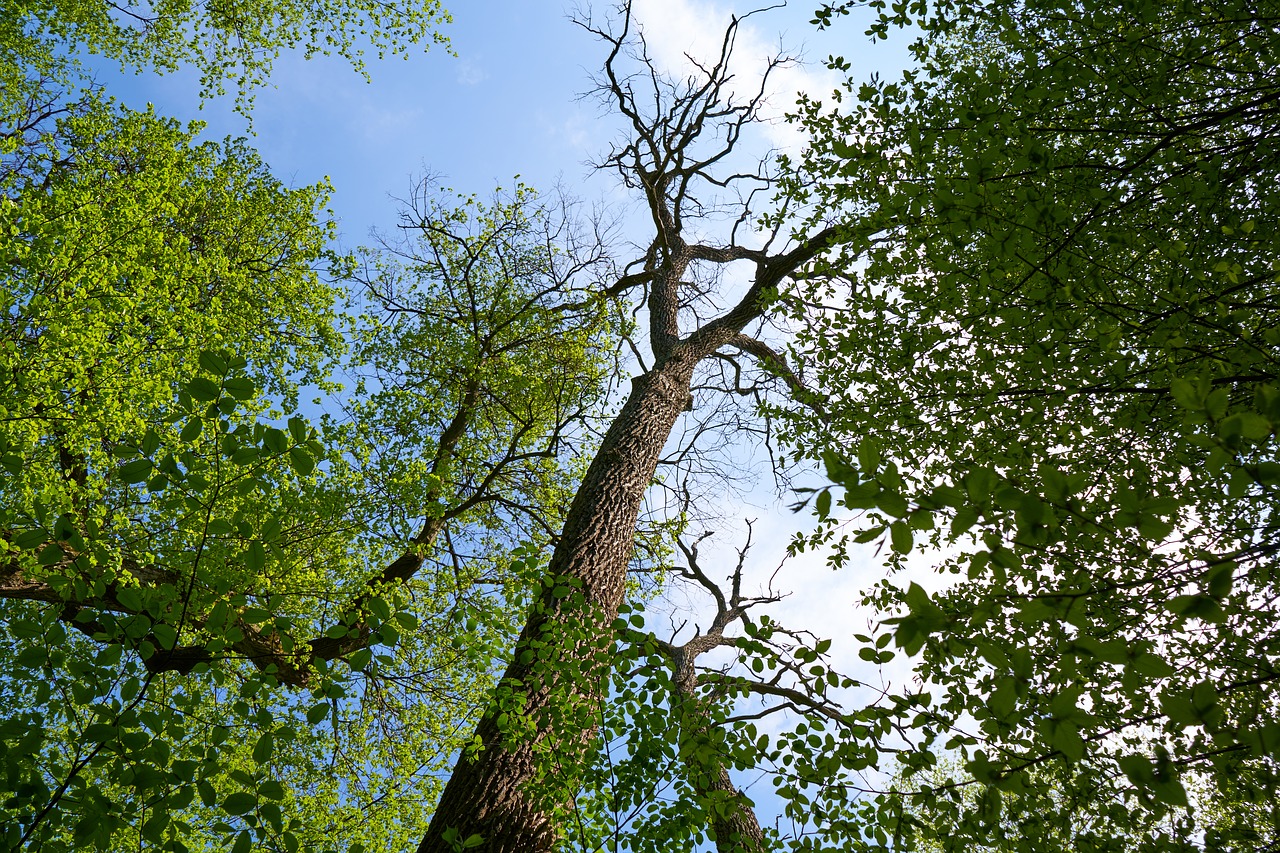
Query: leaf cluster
[[232, 42]]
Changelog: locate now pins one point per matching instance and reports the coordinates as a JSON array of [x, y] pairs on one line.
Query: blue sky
[[507, 104]]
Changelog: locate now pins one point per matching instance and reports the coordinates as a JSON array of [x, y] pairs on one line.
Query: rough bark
[[733, 824], [487, 794]]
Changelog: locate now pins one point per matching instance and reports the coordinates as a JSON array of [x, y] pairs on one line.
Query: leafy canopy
[[175, 548], [1055, 348], [177, 544], [232, 42]]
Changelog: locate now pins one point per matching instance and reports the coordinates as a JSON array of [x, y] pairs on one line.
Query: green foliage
[[176, 550], [147, 509], [479, 357], [165, 527], [1056, 351], [678, 737], [122, 263], [232, 42]]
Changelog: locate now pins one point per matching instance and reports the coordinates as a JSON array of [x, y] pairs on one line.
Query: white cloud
[[575, 132], [679, 29], [471, 73]]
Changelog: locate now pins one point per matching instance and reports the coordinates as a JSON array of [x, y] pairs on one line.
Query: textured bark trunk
[[488, 793], [734, 823], [736, 829]]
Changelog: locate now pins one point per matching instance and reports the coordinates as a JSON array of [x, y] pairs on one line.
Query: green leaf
[[254, 615], [1219, 580], [271, 528], [246, 456], [1067, 740], [271, 790], [130, 597], [100, 733], [243, 843], [165, 635], [30, 540], [892, 503], [302, 462], [823, 504], [264, 748], [241, 802], [917, 599], [379, 607], [1204, 607], [1186, 395], [1216, 403], [240, 387], [135, 471], [255, 557], [1152, 665], [978, 483], [213, 362], [204, 389], [153, 829], [901, 537], [1139, 770], [1255, 428], [275, 441], [869, 456]]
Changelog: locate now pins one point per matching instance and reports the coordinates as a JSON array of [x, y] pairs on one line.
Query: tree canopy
[[227, 624], [1051, 335], [231, 43]]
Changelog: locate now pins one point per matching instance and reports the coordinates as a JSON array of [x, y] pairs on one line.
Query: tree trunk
[[488, 793], [735, 828], [731, 815]]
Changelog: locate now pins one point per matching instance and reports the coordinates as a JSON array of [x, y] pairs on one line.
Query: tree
[[126, 258], [176, 549], [679, 132], [198, 535], [1050, 333]]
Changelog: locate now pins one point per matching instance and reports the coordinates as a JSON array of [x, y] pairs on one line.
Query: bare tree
[[678, 154]]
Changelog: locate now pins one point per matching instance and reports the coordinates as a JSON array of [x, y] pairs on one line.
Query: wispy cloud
[[679, 29], [471, 73]]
